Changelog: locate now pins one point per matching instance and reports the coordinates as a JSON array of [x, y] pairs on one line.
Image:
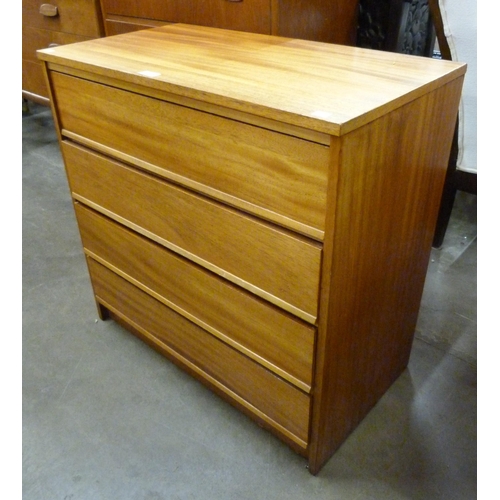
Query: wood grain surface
[[276, 265], [270, 398], [208, 153], [265, 333], [328, 88]]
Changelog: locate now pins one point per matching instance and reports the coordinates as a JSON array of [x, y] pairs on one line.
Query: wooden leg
[[447, 200], [102, 311]]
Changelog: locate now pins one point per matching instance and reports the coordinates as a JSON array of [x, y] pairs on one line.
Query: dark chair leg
[[449, 193], [447, 200]]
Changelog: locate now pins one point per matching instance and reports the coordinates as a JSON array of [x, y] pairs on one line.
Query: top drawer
[[270, 174], [80, 17]]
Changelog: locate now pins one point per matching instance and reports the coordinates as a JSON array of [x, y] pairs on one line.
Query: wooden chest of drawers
[[56, 23], [259, 209]]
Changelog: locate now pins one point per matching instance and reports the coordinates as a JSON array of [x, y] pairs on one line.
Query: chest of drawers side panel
[[385, 192]]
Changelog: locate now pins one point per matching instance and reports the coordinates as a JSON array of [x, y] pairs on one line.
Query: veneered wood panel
[[78, 17], [273, 264], [253, 16], [178, 142], [266, 395], [247, 15], [332, 21], [264, 333], [124, 7], [385, 197]]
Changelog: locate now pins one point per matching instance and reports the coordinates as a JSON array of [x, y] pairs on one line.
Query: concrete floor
[[106, 417]]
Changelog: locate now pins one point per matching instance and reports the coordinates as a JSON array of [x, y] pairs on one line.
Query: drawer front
[[266, 334], [259, 390], [248, 15], [273, 175], [272, 263], [80, 17]]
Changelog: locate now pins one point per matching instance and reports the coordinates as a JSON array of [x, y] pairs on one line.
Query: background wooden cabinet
[[246, 15], [332, 21], [321, 20], [73, 21]]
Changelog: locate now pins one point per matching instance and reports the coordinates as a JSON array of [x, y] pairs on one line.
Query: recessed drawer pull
[[48, 10]]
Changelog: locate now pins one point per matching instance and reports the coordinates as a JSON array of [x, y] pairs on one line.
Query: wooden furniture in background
[[56, 23], [331, 21], [413, 27], [259, 209], [69, 21]]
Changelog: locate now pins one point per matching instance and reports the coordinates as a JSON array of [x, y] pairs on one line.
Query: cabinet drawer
[[271, 174], [247, 15], [264, 333], [276, 265], [248, 383], [80, 17], [35, 39]]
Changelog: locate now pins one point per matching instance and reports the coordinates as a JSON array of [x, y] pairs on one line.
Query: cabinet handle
[[235, 0], [48, 10]]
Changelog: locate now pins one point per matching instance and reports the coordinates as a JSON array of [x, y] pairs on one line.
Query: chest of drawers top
[[327, 88]]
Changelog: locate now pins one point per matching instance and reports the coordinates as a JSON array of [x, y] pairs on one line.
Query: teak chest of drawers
[[260, 209]]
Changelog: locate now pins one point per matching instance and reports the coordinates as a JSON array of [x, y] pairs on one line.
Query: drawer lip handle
[[48, 10]]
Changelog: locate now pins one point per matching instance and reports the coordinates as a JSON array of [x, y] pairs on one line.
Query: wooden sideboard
[[259, 209], [333, 21], [56, 23]]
